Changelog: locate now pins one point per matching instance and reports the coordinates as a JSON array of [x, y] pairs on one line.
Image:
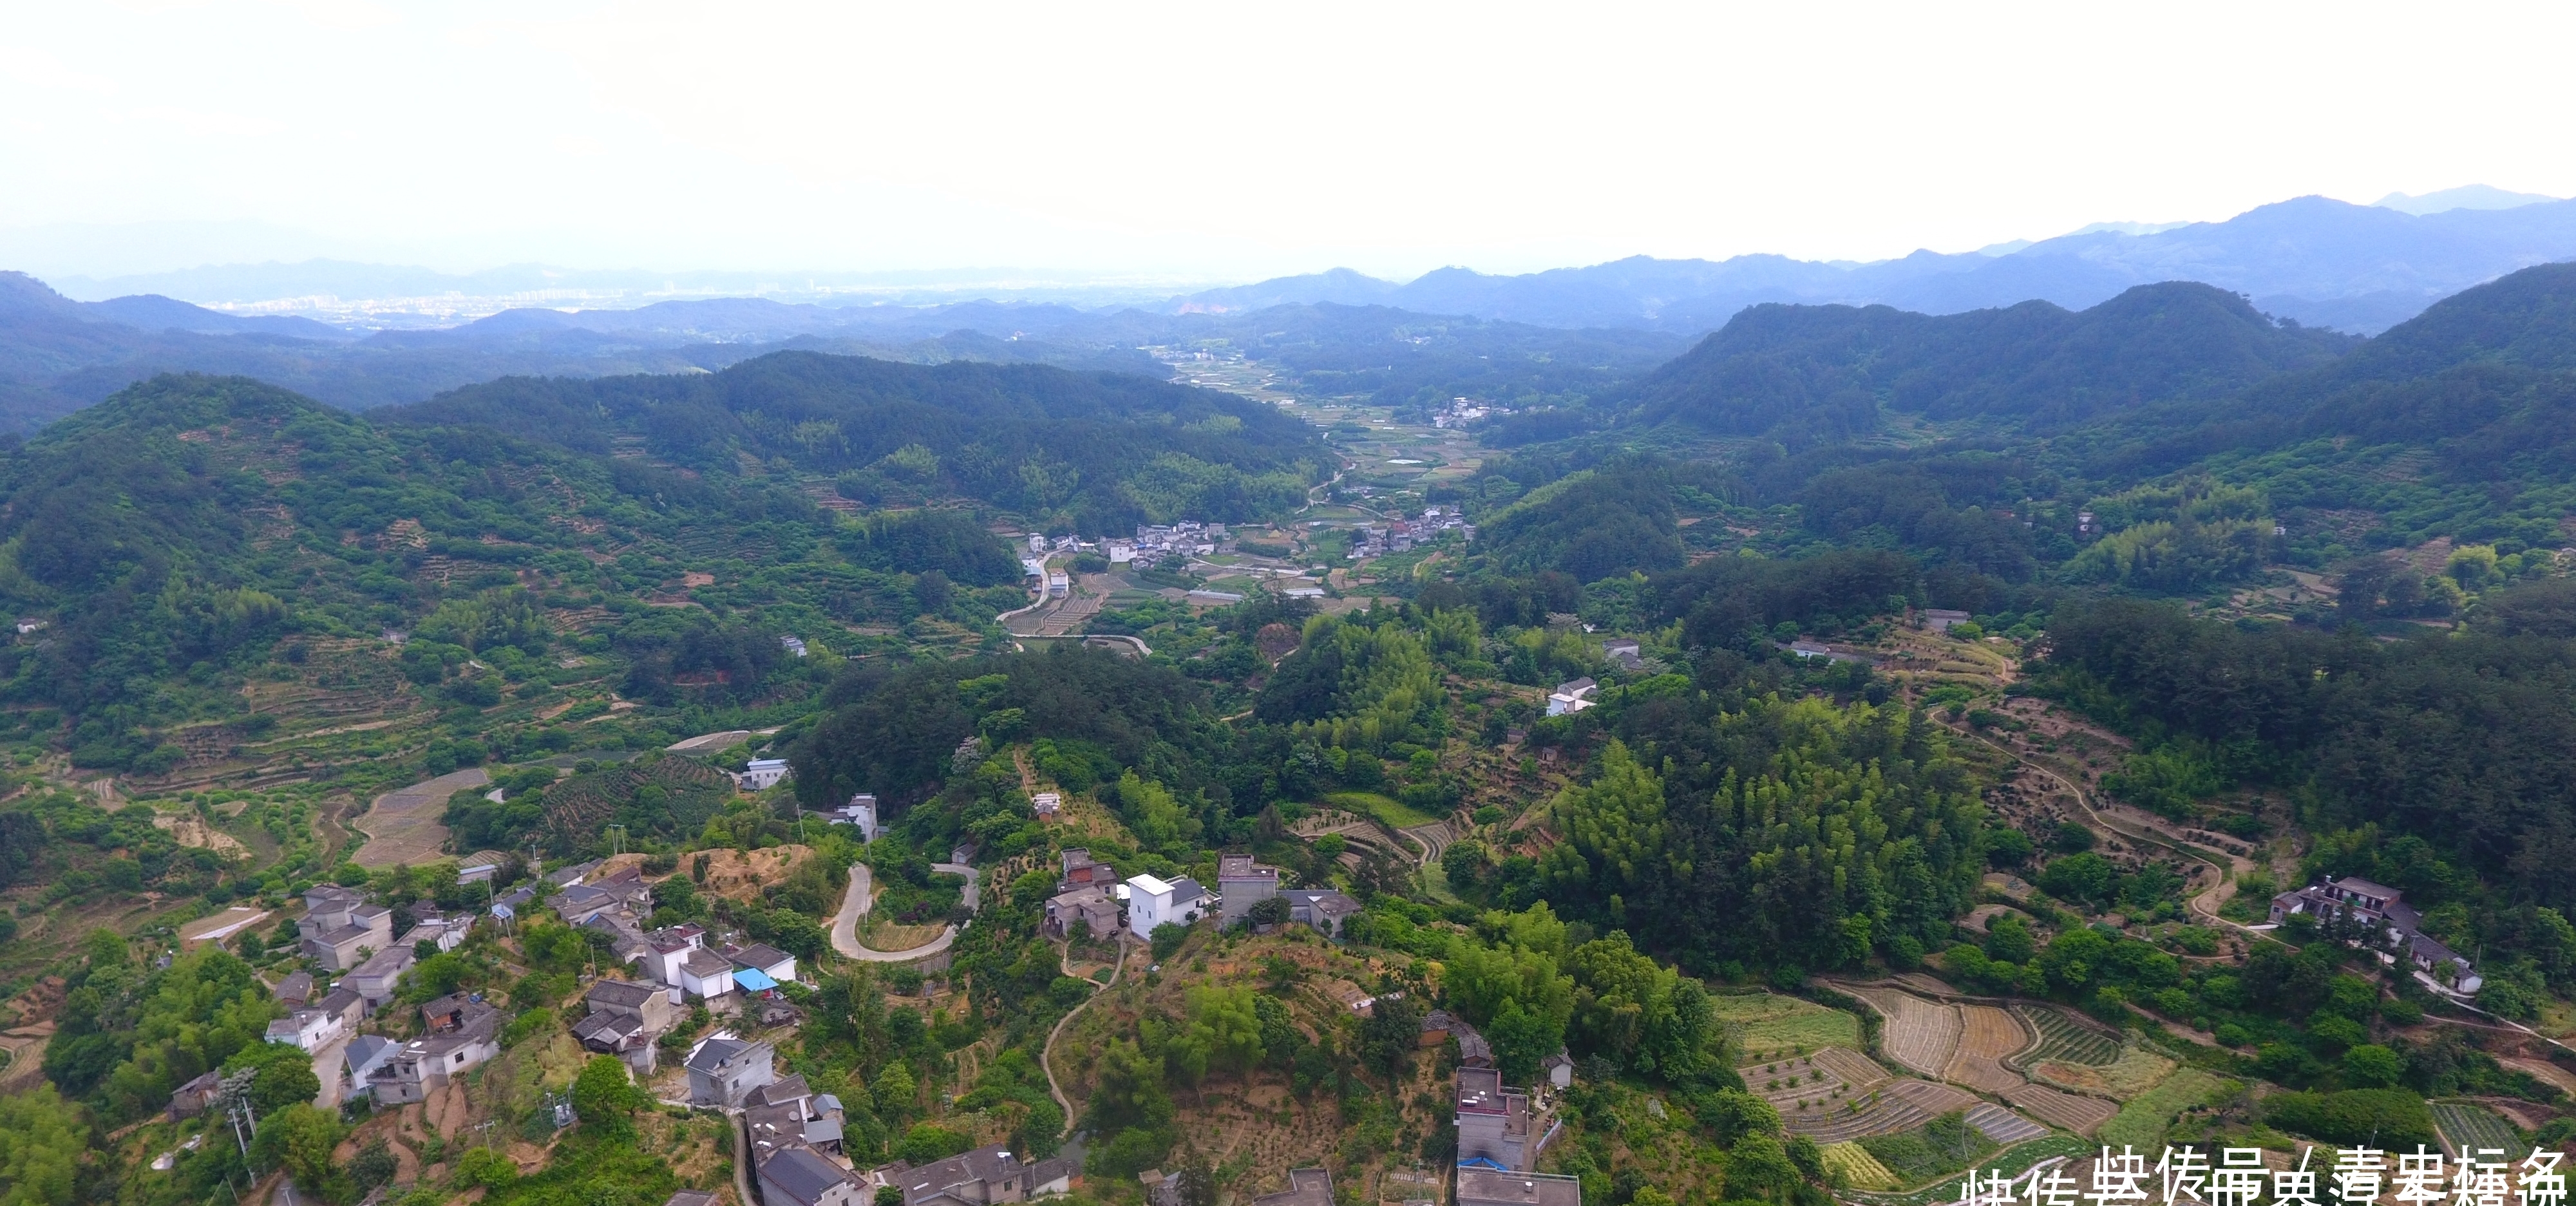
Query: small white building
[[704, 973], [1058, 585], [862, 812], [1152, 902], [310, 1029], [1570, 698], [1047, 803], [761, 774]]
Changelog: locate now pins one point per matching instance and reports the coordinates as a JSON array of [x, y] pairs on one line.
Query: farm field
[[404, 828], [1921, 1035], [1385, 808], [1771, 1025], [2081, 1114], [2002, 1125], [1894, 1106], [1988, 1035], [2471, 1128], [2135, 1072], [1855, 1167], [2142, 1122], [2065, 1038]]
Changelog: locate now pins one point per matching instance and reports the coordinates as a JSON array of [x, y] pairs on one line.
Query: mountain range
[[2322, 262]]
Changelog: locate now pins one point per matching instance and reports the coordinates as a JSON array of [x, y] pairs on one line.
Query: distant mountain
[[2323, 262], [2467, 196], [1804, 374]]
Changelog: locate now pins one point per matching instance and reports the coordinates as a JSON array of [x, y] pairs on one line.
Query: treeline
[[2442, 753], [1096, 452]]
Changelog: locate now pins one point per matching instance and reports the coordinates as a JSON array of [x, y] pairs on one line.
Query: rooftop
[[1488, 1187]]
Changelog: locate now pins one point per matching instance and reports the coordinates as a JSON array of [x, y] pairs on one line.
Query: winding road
[[861, 894]]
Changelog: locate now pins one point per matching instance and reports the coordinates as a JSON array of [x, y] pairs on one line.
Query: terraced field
[[1921, 1035], [2080, 1114], [1894, 1106], [1988, 1035], [2002, 1125], [1855, 1167], [2066, 1038], [1770, 1025], [2135, 1072], [2471, 1128]]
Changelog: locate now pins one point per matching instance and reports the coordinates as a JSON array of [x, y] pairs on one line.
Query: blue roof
[[752, 979]]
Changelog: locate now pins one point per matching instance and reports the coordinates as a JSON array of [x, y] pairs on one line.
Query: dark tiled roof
[[801, 1175]]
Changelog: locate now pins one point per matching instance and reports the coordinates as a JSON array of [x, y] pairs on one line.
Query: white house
[[667, 948], [1569, 698], [705, 973], [761, 774], [311, 1029], [1047, 802], [862, 812], [1152, 902]]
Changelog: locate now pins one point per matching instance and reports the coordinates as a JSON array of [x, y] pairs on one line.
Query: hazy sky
[[1229, 140]]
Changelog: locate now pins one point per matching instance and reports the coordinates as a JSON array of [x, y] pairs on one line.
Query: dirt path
[[1046, 1054]]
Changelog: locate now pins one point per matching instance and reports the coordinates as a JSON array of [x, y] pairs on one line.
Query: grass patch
[[2142, 1122], [1770, 1024], [1384, 808], [1937, 1148], [1851, 1165]]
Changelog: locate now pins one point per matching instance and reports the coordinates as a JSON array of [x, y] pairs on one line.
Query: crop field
[[2065, 1038], [2135, 1072], [1894, 1106], [1921, 1035], [2469, 1128], [2142, 1122], [2002, 1125], [1385, 808], [404, 827], [2081, 1114], [1856, 1168], [1987, 1036], [1772, 1026]]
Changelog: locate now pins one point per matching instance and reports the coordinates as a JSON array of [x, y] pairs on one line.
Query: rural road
[[861, 894]]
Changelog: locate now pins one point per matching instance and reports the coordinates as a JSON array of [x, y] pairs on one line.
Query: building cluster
[[795, 1142], [1462, 411], [2382, 912], [1570, 698], [1500, 1135], [1400, 535], [1154, 542], [1091, 895]]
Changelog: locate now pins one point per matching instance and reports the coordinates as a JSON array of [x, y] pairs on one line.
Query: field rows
[[2065, 1038], [1920, 1035], [2469, 1128], [1987, 1037], [1895, 1106], [2002, 1125], [2080, 1114]]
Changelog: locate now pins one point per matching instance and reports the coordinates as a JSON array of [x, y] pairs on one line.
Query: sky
[[1211, 142]]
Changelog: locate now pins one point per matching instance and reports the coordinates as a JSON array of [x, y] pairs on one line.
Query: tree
[[299, 1139], [42, 1138], [485, 1167], [1390, 1034], [604, 1095], [1224, 1031]]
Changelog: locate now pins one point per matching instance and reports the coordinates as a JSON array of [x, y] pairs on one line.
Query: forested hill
[[1095, 451], [1804, 374]]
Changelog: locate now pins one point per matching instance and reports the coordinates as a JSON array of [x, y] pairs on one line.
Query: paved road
[[860, 895]]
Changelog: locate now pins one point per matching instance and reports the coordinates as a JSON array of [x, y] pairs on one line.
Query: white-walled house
[[1151, 902]]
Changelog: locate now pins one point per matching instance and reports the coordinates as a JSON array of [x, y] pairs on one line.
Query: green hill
[[1818, 373]]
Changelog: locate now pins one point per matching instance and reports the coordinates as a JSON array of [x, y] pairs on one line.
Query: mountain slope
[[1826, 372], [1096, 451]]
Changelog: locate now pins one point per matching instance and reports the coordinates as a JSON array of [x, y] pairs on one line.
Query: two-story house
[[1240, 884], [1094, 905], [626, 1020], [800, 1176], [724, 1070], [463, 1033], [340, 929], [1152, 902], [1493, 1123]]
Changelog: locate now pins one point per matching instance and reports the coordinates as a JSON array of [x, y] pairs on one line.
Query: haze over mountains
[[1543, 339]]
